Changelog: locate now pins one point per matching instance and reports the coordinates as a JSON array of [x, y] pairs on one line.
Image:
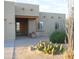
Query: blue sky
[[54, 6]]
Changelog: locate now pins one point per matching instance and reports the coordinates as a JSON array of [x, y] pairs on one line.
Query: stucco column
[[37, 21]]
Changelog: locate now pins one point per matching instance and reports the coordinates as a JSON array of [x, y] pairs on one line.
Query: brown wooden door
[[23, 26]]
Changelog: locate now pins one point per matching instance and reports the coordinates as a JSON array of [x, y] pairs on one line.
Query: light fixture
[[31, 9], [59, 17], [5, 19], [44, 16], [23, 9], [52, 17]]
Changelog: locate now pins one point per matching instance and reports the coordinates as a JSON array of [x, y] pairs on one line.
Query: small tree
[[70, 35], [70, 32]]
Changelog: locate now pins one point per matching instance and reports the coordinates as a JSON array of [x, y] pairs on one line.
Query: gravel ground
[[21, 49], [26, 53], [8, 53]]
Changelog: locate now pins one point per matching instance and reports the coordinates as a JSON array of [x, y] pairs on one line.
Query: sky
[[52, 6]]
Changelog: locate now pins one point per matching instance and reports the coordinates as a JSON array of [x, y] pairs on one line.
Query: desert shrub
[[50, 48], [57, 37]]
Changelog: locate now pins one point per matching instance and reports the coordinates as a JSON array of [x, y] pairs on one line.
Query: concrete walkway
[[26, 41], [8, 49]]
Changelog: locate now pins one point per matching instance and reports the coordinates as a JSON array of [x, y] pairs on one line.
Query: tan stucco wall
[[49, 23], [32, 26], [27, 8], [9, 20]]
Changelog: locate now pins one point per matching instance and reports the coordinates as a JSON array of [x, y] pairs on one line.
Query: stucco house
[[20, 19]]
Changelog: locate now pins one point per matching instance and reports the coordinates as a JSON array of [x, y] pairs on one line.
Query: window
[[41, 26], [56, 26], [18, 26]]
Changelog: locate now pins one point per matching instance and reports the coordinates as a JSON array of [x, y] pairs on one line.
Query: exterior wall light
[[59, 17], [23, 9], [31, 9], [44, 16], [5, 19], [52, 17]]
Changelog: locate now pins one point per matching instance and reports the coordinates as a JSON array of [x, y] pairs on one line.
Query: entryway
[[25, 25], [21, 26]]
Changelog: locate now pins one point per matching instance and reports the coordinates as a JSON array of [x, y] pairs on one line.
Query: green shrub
[[49, 48], [57, 37]]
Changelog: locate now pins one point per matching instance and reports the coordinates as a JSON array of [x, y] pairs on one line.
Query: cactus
[[49, 48]]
